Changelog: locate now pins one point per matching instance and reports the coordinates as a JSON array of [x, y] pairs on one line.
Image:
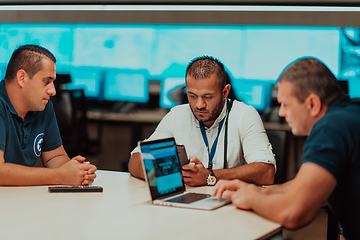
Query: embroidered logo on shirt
[[38, 144]]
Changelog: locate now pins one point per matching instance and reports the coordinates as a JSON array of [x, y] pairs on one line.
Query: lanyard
[[213, 148]]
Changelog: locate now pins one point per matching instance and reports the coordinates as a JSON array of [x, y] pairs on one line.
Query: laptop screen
[[162, 167]]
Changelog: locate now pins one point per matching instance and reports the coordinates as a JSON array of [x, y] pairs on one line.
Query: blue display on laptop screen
[[126, 86], [162, 166], [256, 93]]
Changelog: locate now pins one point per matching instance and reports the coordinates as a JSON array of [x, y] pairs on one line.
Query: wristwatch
[[211, 180]]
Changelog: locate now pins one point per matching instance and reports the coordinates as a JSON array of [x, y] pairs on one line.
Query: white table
[[122, 211]]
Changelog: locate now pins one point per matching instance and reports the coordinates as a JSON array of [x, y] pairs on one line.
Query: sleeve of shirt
[[327, 147], [2, 130], [163, 130], [254, 140], [52, 138]]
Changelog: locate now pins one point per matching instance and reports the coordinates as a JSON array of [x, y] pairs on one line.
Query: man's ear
[[20, 77], [314, 104], [226, 90]]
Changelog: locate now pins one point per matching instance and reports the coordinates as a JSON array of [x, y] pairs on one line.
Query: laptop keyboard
[[189, 198]]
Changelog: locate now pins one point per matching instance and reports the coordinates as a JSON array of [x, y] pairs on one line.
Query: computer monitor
[[2, 72], [344, 84], [172, 92], [126, 86], [354, 87], [56, 37], [256, 93], [121, 46], [177, 45], [267, 50], [89, 79]]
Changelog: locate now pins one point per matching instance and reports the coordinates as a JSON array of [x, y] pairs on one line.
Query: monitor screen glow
[[126, 86], [354, 88], [57, 38], [256, 93], [267, 50], [2, 72], [121, 46], [87, 79], [171, 93]]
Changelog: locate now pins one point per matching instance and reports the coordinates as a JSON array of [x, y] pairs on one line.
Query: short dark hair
[[29, 58], [204, 66], [310, 75]]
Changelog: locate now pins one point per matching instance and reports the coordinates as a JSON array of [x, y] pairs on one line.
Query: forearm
[[277, 188], [55, 158], [295, 203], [18, 175], [57, 161], [258, 173], [277, 206], [135, 166]]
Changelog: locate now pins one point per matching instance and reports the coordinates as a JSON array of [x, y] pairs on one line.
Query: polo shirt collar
[[339, 102], [6, 100], [217, 121]]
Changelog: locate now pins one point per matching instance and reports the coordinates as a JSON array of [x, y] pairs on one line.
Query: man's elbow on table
[[135, 167], [295, 219]]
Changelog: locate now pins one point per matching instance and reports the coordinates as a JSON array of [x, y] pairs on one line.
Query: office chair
[[70, 109], [277, 138], [333, 229]]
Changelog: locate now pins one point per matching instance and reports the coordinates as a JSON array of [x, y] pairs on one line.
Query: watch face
[[211, 180]]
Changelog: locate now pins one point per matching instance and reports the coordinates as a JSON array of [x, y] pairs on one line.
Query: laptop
[[163, 175]]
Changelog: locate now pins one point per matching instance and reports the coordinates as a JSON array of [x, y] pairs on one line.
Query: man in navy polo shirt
[[28, 127], [314, 105]]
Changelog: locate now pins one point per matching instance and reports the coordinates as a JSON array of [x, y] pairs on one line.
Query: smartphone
[[180, 149]]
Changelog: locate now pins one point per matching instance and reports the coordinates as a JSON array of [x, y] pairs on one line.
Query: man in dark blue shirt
[[28, 127], [314, 105]]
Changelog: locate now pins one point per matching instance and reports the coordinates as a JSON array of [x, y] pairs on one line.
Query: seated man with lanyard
[[28, 127], [227, 137]]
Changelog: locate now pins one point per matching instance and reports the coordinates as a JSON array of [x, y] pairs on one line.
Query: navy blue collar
[[338, 103], [6, 100]]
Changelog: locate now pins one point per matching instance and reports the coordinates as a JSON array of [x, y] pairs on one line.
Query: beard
[[213, 115]]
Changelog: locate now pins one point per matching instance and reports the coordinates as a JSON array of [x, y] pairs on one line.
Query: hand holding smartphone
[[183, 158]]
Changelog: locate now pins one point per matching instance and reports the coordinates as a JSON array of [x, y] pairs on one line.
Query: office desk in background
[[138, 119], [122, 211], [141, 118]]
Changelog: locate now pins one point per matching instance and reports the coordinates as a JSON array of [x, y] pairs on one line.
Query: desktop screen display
[[350, 56], [126, 86], [2, 72], [87, 79], [177, 45], [124, 46], [267, 50], [354, 88], [164, 50], [256, 93], [172, 92], [57, 38]]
